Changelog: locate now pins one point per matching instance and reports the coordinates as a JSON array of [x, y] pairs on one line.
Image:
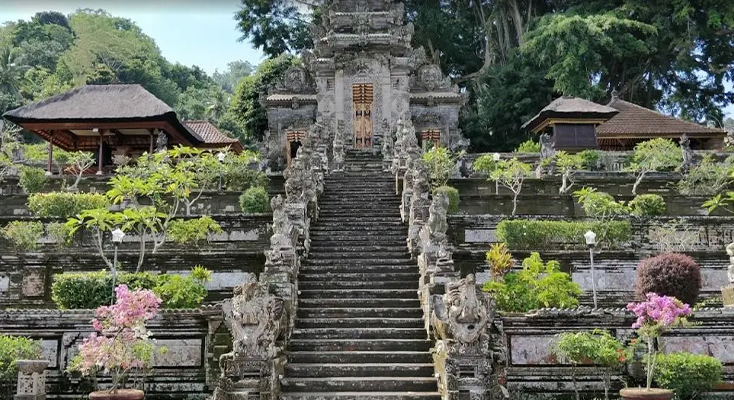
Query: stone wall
[[194, 341], [25, 278], [532, 369]]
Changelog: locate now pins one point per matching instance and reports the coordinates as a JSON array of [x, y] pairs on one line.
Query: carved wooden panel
[[430, 136], [363, 96]]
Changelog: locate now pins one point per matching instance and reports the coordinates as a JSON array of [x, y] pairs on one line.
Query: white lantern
[[117, 236], [590, 238]]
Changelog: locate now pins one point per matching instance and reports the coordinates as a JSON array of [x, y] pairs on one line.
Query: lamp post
[[220, 157], [591, 242], [496, 158], [117, 236]]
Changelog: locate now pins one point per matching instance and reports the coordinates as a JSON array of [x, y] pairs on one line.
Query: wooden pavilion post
[[152, 139], [101, 155], [50, 154]]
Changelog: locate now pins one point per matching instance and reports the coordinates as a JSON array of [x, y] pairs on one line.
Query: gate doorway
[[363, 95], [292, 144]]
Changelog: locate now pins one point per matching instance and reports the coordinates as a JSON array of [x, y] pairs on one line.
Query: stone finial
[[31, 380], [161, 142], [546, 147], [437, 222], [463, 313]]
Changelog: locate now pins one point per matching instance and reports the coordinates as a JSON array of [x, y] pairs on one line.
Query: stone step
[[357, 303], [322, 247], [304, 312], [365, 218], [401, 235], [379, 225], [360, 357], [359, 277], [320, 285], [343, 370], [377, 214], [356, 241], [356, 255], [305, 323], [314, 345], [360, 396], [351, 293], [376, 384], [335, 267]]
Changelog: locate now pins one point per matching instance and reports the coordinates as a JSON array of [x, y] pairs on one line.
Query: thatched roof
[[572, 108], [635, 121], [101, 104]]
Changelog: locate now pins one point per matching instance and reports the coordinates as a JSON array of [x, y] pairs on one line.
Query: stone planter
[[31, 380], [645, 394], [119, 394]]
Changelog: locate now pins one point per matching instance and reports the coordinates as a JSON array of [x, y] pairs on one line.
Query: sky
[[191, 32]]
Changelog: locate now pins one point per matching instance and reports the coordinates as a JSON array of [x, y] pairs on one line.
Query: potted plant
[[120, 344], [654, 316]]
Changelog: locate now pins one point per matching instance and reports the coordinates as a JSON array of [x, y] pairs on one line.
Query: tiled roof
[[640, 121], [210, 134]]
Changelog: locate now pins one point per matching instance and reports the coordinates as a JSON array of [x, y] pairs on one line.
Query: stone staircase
[[359, 332]]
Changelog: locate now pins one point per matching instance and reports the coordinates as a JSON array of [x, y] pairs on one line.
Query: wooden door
[[432, 136], [363, 97]]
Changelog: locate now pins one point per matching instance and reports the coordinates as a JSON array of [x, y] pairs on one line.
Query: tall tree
[[236, 70]]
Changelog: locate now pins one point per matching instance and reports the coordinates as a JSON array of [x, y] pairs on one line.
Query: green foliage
[[689, 375], [441, 165], [706, 178], [596, 347], [88, 290], [65, 205], [24, 235], [255, 200], [511, 174], [60, 233], [500, 260], [453, 194], [538, 285], [600, 205], [32, 180], [528, 147], [567, 165], [589, 159], [236, 70], [193, 231], [526, 234], [246, 106], [647, 205], [239, 175], [275, 27], [12, 349], [655, 155]]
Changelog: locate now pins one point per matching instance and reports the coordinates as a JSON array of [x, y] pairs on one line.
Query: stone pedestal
[[31, 380], [727, 295]]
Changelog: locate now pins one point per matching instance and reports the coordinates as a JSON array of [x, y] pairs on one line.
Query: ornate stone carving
[[727, 292], [463, 313], [295, 81], [31, 380], [430, 78], [685, 146], [546, 147], [730, 272], [161, 142]]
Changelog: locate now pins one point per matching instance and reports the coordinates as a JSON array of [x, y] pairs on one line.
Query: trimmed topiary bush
[[32, 180], [647, 205], [689, 375], [255, 200], [24, 235], [65, 205], [669, 274], [453, 195]]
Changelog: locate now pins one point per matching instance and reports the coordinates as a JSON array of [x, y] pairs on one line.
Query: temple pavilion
[[578, 124], [114, 120]]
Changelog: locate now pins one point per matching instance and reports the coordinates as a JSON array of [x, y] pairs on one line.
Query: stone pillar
[[100, 160], [31, 380], [50, 155]]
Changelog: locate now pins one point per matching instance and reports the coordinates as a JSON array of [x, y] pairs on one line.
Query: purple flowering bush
[[655, 316], [121, 341]]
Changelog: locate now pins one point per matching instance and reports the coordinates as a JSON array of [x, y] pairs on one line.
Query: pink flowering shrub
[[121, 341], [654, 317]]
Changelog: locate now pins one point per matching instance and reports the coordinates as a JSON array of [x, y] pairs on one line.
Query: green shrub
[[184, 231], [647, 205], [453, 195], [89, 290], [65, 205], [12, 349], [60, 233], [238, 176], [537, 286], [525, 234], [255, 200], [32, 180], [600, 205], [528, 147], [24, 235], [589, 159], [689, 375], [441, 164]]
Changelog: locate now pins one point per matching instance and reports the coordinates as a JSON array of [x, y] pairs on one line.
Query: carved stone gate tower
[[361, 76]]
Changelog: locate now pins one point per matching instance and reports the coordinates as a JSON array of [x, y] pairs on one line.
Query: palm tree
[[217, 105], [11, 74]]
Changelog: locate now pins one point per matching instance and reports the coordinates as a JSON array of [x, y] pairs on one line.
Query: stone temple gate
[[361, 76]]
